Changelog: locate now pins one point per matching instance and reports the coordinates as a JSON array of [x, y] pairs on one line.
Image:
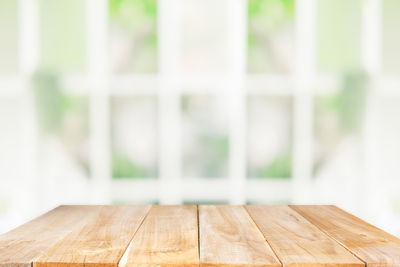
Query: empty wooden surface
[[296, 241], [229, 237], [101, 241], [19, 247], [167, 237], [374, 246], [206, 236]]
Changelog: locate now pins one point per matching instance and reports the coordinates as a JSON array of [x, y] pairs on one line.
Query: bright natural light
[[200, 101]]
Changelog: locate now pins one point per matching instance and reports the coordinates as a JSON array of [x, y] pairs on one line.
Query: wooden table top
[[273, 236]]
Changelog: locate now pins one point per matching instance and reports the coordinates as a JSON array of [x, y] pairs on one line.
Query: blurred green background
[[58, 96]]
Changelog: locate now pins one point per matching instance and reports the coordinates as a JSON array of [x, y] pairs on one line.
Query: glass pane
[[134, 137], [205, 137], [338, 119], [338, 165], [10, 140], [62, 35], [390, 125], [270, 35], [63, 149], [11, 163], [133, 35], [390, 36], [338, 35], [269, 138], [8, 36], [204, 35], [389, 174]]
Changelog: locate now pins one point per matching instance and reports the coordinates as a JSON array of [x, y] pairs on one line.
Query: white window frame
[[167, 85]]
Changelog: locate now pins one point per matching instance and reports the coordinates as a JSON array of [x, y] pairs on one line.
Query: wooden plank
[[21, 246], [101, 241], [229, 237], [167, 237], [372, 245], [296, 241]]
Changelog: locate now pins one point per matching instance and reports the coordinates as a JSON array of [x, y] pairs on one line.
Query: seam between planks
[[129, 243], [80, 224], [329, 236], [265, 238]]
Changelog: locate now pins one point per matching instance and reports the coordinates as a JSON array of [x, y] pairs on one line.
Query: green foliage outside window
[[269, 23], [343, 112], [390, 36], [132, 14], [273, 12], [53, 105], [62, 35], [208, 155], [280, 167], [339, 35], [136, 21], [53, 110], [215, 149], [124, 167], [348, 104]]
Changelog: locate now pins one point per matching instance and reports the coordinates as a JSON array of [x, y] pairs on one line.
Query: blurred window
[[133, 36], [269, 137], [134, 137], [62, 35], [339, 35], [9, 36], [205, 137], [228, 99], [204, 30], [270, 44], [391, 36]]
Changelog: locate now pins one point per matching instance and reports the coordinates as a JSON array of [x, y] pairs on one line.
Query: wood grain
[[229, 237], [101, 241], [20, 247], [161, 236], [374, 246], [167, 237], [296, 241]]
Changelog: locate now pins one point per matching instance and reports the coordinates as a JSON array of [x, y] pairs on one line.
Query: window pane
[[339, 119], [391, 37], [390, 125], [338, 35], [269, 137], [62, 30], [133, 35], [8, 36], [12, 190], [10, 139], [205, 137], [270, 35], [204, 35], [63, 149], [389, 172], [134, 137]]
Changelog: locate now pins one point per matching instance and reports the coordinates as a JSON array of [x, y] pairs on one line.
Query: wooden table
[[105, 236]]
